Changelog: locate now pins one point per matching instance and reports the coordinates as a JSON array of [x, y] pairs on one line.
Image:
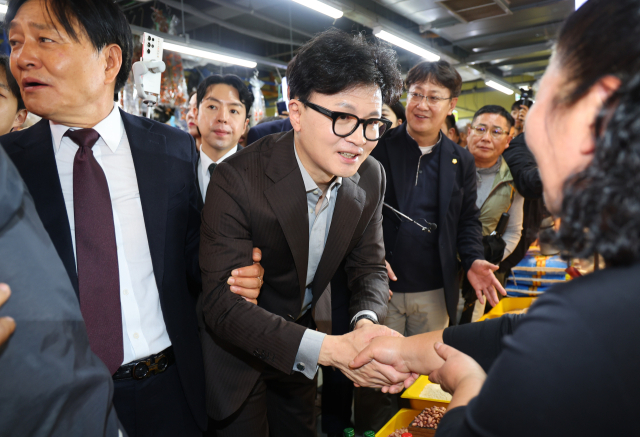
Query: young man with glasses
[[488, 136], [311, 200]]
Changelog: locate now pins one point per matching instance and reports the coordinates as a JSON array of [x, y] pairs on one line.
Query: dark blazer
[[164, 160], [200, 201], [52, 384], [264, 129], [257, 198], [458, 221]]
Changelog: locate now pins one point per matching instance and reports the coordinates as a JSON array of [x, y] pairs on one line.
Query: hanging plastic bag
[[258, 107]]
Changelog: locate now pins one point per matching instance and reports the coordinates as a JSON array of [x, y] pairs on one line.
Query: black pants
[[279, 405], [155, 406], [337, 394]]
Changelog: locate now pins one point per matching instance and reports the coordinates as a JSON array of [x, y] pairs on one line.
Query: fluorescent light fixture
[[383, 34], [497, 86], [206, 54], [321, 7], [3, 9], [580, 3]]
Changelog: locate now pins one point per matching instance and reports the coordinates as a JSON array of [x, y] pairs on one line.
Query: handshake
[[341, 351]]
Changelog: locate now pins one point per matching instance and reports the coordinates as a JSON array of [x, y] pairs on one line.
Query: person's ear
[[451, 133], [400, 121], [113, 62], [590, 105], [296, 108], [452, 105], [19, 119]]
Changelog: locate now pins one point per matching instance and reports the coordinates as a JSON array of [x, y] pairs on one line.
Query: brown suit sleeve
[[225, 245], [365, 267]]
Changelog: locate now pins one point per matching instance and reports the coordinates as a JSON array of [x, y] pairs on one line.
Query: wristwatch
[[360, 317]]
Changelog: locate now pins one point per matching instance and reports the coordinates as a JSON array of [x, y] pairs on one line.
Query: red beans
[[429, 418]]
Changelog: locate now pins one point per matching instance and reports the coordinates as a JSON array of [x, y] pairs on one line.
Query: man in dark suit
[[117, 195], [309, 198], [61, 389], [224, 104], [271, 127]]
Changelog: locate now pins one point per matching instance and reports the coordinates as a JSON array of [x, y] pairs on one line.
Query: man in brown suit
[[310, 198]]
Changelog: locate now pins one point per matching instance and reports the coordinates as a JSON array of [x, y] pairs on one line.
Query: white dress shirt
[[203, 169], [143, 329]]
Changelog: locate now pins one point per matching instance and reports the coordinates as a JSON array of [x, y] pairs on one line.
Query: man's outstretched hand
[[484, 282], [247, 281], [339, 351]]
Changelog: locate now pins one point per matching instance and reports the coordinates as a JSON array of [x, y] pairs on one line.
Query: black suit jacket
[[257, 198], [458, 221], [264, 129], [200, 201], [164, 160]]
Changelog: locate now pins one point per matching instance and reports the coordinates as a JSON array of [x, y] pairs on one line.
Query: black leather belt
[[147, 366]]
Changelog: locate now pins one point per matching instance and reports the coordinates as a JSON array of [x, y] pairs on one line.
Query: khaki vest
[[499, 199]]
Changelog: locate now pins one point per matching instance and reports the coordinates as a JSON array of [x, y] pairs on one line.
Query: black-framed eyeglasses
[[495, 132], [417, 98], [344, 124]]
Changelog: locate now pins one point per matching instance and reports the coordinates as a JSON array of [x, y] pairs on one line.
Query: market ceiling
[[492, 38]]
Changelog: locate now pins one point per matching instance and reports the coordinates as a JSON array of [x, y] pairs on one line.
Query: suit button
[[256, 353], [300, 367]]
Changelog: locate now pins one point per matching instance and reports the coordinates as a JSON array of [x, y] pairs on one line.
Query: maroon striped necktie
[[96, 252]]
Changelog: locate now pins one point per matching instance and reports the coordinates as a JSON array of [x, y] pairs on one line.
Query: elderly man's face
[[61, 79]]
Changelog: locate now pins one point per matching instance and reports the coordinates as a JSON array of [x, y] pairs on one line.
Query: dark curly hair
[[335, 61], [601, 204]]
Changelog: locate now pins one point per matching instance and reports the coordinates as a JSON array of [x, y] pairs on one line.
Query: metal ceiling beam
[[521, 61], [370, 19], [250, 11], [531, 71], [478, 40], [137, 30], [210, 18], [508, 53]]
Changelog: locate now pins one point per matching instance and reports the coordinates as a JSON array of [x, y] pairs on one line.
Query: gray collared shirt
[[309, 350]]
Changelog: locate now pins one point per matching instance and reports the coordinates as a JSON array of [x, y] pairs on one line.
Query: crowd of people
[[157, 282]]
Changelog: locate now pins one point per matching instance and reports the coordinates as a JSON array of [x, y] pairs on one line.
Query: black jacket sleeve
[[524, 168]]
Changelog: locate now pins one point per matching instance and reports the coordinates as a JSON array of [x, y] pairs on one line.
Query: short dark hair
[[335, 61], [246, 96], [451, 122], [440, 73], [101, 20], [494, 109], [398, 110], [11, 81], [521, 102]]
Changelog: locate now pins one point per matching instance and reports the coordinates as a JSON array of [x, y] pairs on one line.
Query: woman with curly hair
[[570, 367]]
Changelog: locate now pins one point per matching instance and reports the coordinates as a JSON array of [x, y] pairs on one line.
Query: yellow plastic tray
[[506, 305], [417, 402], [402, 419]]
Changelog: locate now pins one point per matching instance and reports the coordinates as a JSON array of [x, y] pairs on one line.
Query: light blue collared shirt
[[307, 357]]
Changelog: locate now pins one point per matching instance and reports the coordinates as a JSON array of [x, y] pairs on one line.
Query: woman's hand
[[460, 375]]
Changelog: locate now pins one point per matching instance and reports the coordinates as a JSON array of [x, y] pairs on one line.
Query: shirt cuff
[[308, 353], [370, 313]]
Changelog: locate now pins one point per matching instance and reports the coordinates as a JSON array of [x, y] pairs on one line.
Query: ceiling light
[[3, 9], [321, 7], [580, 3], [206, 54], [497, 86], [383, 34]]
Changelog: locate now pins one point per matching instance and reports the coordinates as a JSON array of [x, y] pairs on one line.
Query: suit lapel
[[151, 162], [37, 164], [447, 172], [198, 176], [346, 215], [288, 201]]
